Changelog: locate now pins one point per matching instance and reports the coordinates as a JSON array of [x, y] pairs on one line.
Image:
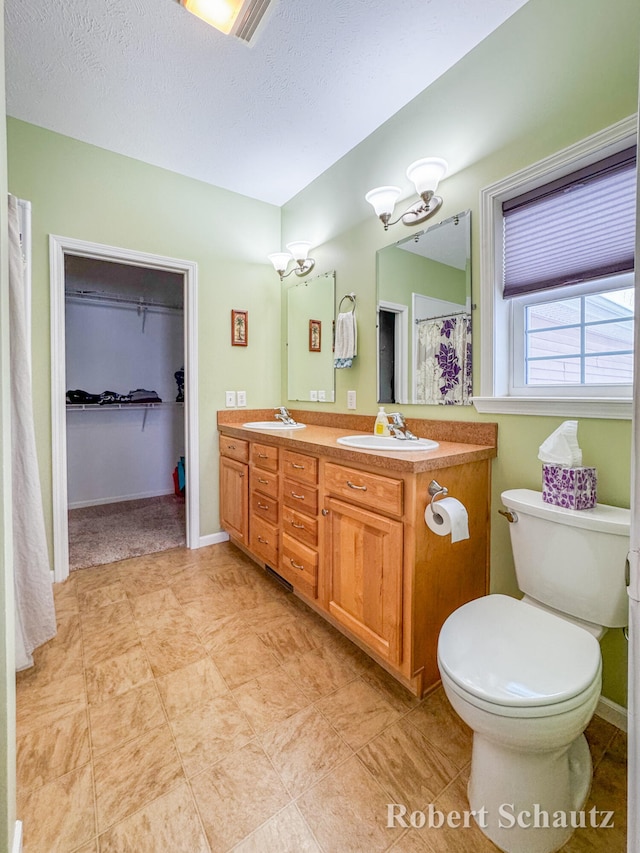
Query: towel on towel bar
[[346, 341]]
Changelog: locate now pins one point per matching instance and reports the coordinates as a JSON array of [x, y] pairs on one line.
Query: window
[[557, 283]]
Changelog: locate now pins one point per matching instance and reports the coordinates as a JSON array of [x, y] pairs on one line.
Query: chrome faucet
[[399, 429], [282, 414]]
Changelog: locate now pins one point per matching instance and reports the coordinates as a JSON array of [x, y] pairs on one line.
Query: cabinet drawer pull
[[264, 482], [299, 467], [298, 526], [264, 541], [297, 497], [295, 565], [263, 456], [354, 486], [231, 447], [263, 506]]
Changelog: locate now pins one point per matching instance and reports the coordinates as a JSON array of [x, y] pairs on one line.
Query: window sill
[[613, 408]]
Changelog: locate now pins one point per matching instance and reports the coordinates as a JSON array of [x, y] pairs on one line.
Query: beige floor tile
[[210, 733], [125, 717], [51, 750], [41, 698], [407, 766], [285, 832], [238, 795], [187, 689], [395, 693], [270, 699], [171, 650], [410, 842], [192, 587], [97, 576], [357, 712], [132, 775], [118, 613], [304, 748], [347, 812], [288, 640], [91, 847], [158, 605], [467, 838], [109, 642], [216, 627], [599, 734], [100, 596], [169, 824], [65, 598], [63, 653], [270, 615], [319, 673], [59, 816], [440, 724], [244, 660], [116, 675]]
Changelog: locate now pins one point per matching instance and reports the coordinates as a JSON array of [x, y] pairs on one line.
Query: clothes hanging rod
[[93, 296], [444, 316]]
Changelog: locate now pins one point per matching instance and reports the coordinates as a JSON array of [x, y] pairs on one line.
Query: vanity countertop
[[460, 441]]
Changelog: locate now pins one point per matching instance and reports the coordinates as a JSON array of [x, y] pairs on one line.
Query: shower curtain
[[443, 360], [35, 614]]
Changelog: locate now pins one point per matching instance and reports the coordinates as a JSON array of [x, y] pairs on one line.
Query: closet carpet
[[108, 533]]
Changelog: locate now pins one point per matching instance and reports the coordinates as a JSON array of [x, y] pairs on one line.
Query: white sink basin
[[277, 425], [384, 442]]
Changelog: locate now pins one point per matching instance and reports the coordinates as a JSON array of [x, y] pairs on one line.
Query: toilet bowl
[[527, 683]]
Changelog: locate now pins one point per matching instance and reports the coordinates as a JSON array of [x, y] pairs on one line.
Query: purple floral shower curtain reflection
[[443, 363]]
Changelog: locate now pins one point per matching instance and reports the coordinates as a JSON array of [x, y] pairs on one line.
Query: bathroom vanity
[[345, 527]]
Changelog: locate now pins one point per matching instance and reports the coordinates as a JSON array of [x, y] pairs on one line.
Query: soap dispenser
[[381, 426]]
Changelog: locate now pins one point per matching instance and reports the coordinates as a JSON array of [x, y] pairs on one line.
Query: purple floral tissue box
[[574, 488]]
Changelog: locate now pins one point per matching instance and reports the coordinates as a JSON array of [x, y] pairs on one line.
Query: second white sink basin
[[387, 442], [278, 425]]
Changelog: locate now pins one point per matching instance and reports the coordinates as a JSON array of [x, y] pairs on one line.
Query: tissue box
[[574, 488]]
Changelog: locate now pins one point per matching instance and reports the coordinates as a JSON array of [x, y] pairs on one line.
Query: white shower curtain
[[35, 613]]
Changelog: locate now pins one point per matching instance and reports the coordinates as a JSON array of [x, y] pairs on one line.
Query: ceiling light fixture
[[298, 252], [232, 17], [425, 174]]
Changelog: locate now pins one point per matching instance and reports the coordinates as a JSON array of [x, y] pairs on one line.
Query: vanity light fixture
[[298, 252], [425, 174], [238, 18]]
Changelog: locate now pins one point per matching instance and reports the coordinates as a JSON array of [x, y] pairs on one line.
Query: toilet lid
[[510, 653]]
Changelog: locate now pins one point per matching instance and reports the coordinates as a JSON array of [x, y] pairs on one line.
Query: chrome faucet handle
[[397, 418]]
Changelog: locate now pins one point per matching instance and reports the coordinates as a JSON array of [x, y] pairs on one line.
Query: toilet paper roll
[[448, 516]]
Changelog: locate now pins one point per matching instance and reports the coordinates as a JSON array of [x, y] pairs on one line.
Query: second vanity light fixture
[[425, 174], [298, 252]]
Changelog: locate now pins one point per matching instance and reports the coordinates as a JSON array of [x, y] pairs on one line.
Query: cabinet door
[[364, 575], [234, 498]]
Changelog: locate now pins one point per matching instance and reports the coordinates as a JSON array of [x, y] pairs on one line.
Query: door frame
[[401, 348], [58, 248]]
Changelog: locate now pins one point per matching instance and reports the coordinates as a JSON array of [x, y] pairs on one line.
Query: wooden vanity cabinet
[[299, 558], [264, 508], [234, 487]]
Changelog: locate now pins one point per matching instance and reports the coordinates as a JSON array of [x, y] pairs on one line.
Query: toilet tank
[[571, 560]]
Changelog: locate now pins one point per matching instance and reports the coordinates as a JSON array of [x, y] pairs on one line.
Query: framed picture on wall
[[315, 335], [239, 328]]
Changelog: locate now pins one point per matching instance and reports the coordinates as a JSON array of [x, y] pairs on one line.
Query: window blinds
[[578, 228]]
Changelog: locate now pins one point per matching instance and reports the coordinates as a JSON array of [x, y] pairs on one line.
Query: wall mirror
[[424, 316], [310, 314]]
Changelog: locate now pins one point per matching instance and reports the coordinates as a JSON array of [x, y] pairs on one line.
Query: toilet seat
[[504, 655]]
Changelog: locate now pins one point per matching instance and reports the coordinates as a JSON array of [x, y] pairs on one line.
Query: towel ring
[[350, 296]]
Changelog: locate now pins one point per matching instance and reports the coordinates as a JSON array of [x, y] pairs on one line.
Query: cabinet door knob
[[354, 486], [325, 512]]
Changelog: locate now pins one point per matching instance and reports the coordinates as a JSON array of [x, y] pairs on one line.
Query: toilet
[[525, 675]]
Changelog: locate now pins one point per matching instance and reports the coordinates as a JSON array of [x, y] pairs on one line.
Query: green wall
[[553, 74], [87, 193]]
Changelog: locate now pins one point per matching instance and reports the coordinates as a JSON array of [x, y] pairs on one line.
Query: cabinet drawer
[[299, 565], [264, 456], [300, 527], [264, 481], [301, 467], [236, 448], [300, 496], [264, 507], [263, 541], [371, 490]]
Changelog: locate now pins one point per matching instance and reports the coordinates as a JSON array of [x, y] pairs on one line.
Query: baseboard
[[16, 847], [212, 539], [120, 499], [612, 713]]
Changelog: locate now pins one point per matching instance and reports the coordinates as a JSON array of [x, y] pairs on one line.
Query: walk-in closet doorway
[[126, 320]]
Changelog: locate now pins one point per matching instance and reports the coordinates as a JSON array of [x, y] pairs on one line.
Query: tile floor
[[190, 705]]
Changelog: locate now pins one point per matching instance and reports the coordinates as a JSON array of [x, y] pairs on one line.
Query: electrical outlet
[[230, 399], [313, 396], [242, 398], [322, 396], [351, 399]]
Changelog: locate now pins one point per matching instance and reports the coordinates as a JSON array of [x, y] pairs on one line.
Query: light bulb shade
[[383, 199], [299, 250], [280, 260], [426, 173], [221, 14]]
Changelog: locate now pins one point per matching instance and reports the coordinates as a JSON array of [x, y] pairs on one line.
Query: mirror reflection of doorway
[[386, 356]]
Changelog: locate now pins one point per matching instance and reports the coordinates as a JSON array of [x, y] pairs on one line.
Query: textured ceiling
[[146, 79]]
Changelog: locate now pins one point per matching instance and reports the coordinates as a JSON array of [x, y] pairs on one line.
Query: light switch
[[230, 399], [351, 399], [313, 396], [242, 398], [322, 396]]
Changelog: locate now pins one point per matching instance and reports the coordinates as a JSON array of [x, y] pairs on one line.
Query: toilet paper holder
[[436, 491]]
